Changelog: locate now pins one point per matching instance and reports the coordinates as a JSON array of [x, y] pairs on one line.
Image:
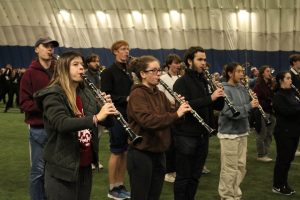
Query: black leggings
[[285, 148], [146, 172]]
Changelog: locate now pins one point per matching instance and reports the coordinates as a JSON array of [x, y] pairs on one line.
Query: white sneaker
[[297, 153], [100, 165], [93, 166], [205, 170], [169, 178], [264, 159]]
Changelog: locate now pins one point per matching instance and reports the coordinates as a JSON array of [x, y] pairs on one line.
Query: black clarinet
[[297, 92], [213, 87], [262, 112], [135, 139], [210, 130]]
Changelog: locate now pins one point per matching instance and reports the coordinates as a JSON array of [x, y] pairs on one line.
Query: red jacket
[[34, 79]]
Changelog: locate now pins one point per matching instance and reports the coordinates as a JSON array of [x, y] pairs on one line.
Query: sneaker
[[205, 170], [264, 159], [169, 177], [290, 188], [100, 165], [116, 194], [123, 190], [93, 166], [297, 153], [282, 190]]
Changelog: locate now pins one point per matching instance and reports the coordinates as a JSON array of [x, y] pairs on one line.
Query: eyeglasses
[[154, 71]]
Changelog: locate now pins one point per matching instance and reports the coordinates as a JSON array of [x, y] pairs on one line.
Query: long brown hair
[[62, 77]]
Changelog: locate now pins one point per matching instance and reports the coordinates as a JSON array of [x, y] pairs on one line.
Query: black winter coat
[[287, 112], [117, 82], [193, 86]]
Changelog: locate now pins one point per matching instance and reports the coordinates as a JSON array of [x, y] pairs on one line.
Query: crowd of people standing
[[65, 121]]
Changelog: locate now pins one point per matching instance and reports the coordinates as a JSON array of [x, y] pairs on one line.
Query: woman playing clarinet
[[149, 115], [233, 133], [287, 131]]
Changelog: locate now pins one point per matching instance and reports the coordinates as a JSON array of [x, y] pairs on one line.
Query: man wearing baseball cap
[[36, 77]]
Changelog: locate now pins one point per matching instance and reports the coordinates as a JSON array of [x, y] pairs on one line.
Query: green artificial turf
[[14, 167]]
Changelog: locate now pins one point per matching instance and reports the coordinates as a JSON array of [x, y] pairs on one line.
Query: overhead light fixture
[[174, 14], [65, 14], [243, 14], [137, 15], [100, 14]]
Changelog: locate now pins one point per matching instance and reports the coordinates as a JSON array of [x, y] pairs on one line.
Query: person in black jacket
[[295, 73], [71, 117], [93, 72], [191, 138], [117, 81], [286, 104]]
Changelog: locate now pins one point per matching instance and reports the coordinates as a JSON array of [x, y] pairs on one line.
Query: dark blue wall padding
[[21, 56]]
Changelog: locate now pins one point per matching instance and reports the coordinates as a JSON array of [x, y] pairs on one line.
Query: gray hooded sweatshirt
[[241, 101]]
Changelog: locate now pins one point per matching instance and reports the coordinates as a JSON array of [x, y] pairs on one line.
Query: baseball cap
[[46, 40]]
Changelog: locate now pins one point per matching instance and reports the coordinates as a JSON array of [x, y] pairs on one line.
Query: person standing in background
[[93, 73], [295, 73], [35, 78], [264, 132], [173, 64], [92, 63], [253, 76], [13, 89], [6, 82], [117, 81]]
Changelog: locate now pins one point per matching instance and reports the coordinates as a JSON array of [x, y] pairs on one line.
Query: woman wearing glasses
[[149, 115]]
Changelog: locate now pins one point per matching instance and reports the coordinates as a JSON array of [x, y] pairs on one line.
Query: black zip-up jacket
[[193, 86], [295, 78], [117, 82], [62, 151], [287, 112]]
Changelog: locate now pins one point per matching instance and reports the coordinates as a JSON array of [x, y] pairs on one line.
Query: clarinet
[[213, 86], [250, 93], [297, 92], [210, 130], [135, 139]]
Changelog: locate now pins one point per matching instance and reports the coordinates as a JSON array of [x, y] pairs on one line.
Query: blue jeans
[[37, 138]]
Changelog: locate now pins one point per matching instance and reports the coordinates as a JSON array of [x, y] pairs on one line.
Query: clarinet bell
[[213, 132], [268, 122], [137, 139], [236, 113]]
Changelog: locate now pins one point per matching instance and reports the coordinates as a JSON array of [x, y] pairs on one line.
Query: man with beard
[[191, 138]]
